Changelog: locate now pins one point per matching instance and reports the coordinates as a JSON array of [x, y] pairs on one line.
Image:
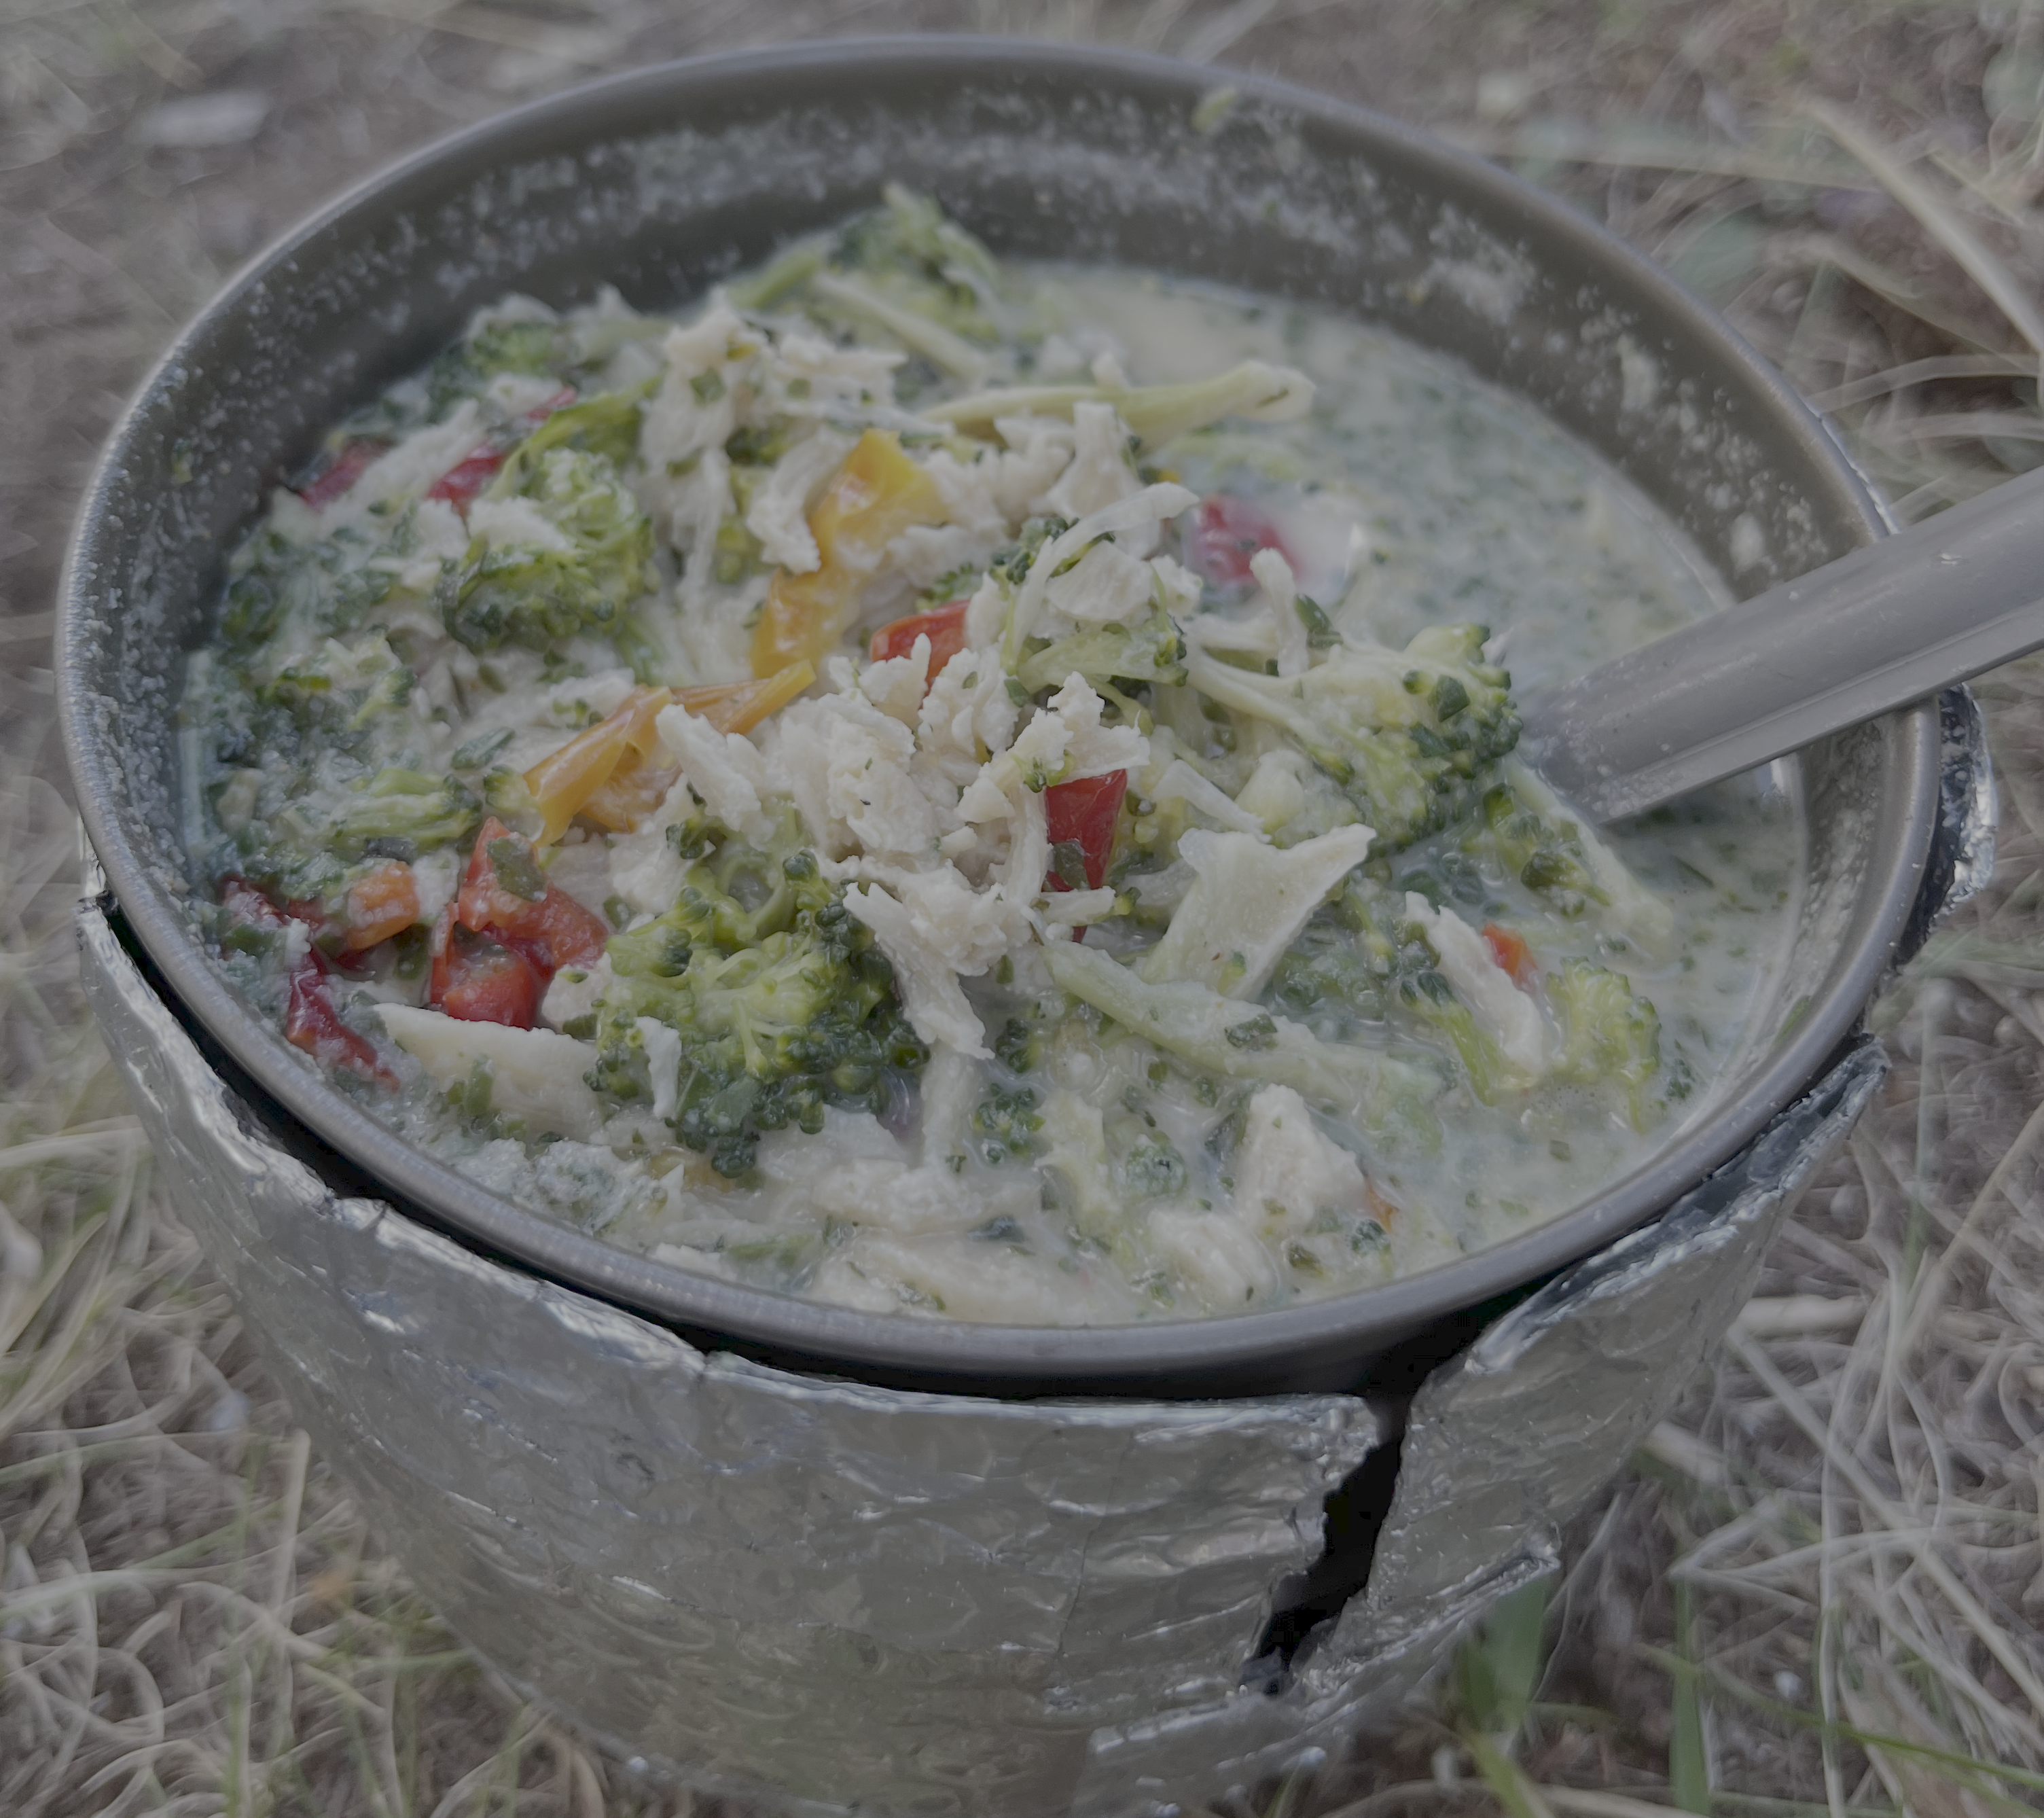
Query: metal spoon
[[1887, 625]]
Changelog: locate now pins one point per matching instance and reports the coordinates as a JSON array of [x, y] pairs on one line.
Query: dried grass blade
[[1505, 1777], [1961, 1599], [1918, 372], [1933, 1283], [1934, 213]]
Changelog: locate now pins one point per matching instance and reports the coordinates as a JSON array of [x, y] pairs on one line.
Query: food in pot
[[966, 790]]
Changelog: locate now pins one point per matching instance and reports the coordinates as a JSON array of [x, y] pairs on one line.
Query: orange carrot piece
[[379, 904], [1510, 951]]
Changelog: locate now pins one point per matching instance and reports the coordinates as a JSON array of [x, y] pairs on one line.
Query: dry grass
[[1820, 1590]]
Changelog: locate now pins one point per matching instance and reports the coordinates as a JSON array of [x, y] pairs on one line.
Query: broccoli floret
[[1611, 1037], [531, 349], [314, 841], [1430, 999], [1152, 1169], [1545, 856], [327, 586], [1151, 651], [736, 555], [514, 594], [1005, 1124], [919, 261], [1575, 859], [1011, 562], [960, 583], [1410, 738], [607, 425], [401, 813], [1360, 961], [902, 268], [782, 1001]]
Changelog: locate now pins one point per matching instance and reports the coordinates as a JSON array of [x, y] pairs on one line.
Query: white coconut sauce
[[1083, 1172]]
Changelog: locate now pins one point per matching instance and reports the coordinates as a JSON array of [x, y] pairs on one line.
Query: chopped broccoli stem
[[404, 807], [1239, 1042], [1152, 652]]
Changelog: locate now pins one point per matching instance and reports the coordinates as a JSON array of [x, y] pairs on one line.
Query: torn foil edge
[[874, 1597], [1503, 1446]]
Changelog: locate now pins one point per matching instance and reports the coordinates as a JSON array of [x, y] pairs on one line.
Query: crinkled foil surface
[[834, 1597]]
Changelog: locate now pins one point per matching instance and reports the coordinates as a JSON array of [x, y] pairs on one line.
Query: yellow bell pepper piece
[[877, 493], [617, 772], [632, 792], [562, 783], [739, 706]]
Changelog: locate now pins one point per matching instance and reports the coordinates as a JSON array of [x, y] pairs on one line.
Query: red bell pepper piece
[[944, 626], [552, 930], [1511, 951], [341, 472], [467, 477], [541, 411], [495, 952], [1226, 532], [310, 1021], [247, 905], [1082, 814], [476, 980], [460, 484]]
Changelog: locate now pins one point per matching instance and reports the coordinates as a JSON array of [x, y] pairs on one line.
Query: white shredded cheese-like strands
[[1467, 964]]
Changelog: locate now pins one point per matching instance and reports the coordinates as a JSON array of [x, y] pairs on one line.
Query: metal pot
[[661, 181]]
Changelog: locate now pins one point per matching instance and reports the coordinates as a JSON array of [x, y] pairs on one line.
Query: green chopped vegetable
[[1005, 1125], [1155, 414], [1610, 1035], [1412, 738], [1153, 651], [518, 593], [607, 425], [1240, 1041], [782, 1004]]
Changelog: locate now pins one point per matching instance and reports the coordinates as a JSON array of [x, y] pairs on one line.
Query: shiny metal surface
[[839, 1592], [662, 180], [831, 1596], [1878, 629]]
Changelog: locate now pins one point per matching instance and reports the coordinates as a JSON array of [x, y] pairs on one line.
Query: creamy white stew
[[965, 791]]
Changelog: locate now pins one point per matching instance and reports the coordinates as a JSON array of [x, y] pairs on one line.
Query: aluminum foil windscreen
[[835, 1596]]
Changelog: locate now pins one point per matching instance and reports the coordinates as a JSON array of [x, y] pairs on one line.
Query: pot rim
[[1278, 1345]]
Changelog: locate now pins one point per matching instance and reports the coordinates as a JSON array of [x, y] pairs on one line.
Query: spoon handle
[[1889, 624]]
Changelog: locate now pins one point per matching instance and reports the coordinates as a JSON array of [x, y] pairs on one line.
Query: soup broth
[[972, 791]]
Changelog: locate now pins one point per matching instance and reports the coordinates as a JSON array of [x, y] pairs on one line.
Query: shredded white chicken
[[1499, 1007]]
